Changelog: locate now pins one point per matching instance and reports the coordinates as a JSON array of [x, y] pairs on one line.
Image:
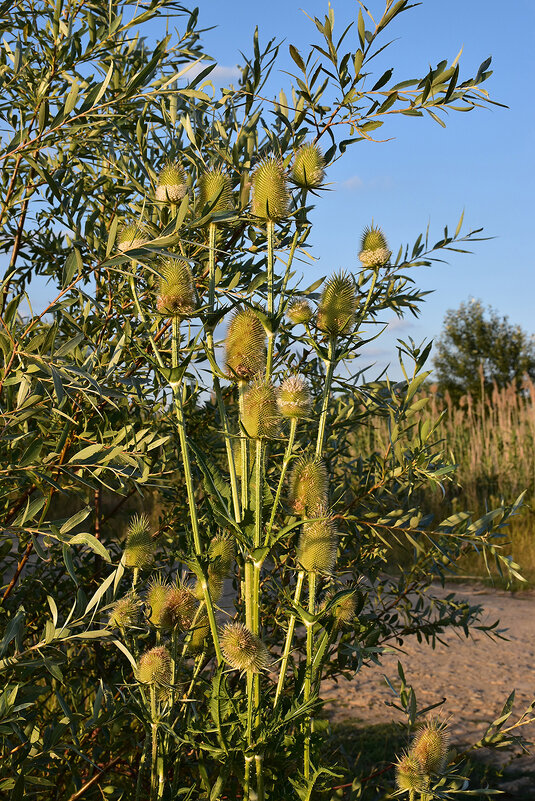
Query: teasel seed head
[[125, 611], [156, 598], [139, 548], [430, 747], [242, 649], [215, 191], [154, 668], [299, 312], [409, 775], [260, 417], [308, 169], [308, 485], [293, 397], [374, 249], [245, 346], [171, 186], [337, 306], [318, 544], [199, 634], [345, 609], [176, 290], [179, 607], [270, 195], [132, 236], [221, 552]]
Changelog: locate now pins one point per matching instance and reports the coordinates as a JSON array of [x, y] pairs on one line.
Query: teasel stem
[[242, 388], [143, 319], [154, 757], [247, 795], [142, 761], [259, 762], [259, 486], [284, 469], [288, 268], [321, 652], [289, 638], [135, 576], [177, 394], [326, 397], [270, 235], [308, 670]]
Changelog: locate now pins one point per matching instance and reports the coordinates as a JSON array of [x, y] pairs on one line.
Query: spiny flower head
[[260, 416], [337, 306], [176, 291], [125, 611], [171, 185], [245, 346], [139, 549], [299, 311], [308, 485], [270, 195], [409, 774], [132, 236], [242, 649], [293, 397], [154, 668], [179, 607], [374, 248], [430, 747], [215, 191], [308, 170], [318, 544], [157, 594], [345, 608]]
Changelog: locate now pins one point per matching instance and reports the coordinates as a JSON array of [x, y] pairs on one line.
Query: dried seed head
[[270, 195], [245, 346], [171, 185], [154, 667], [260, 417], [176, 291], [374, 249], [199, 634], [337, 306], [299, 312], [125, 611], [308, 170], [157, 594], [242, 649], [179, 608], [318, 544], [139, 549], [293, 397], [430, 747], [132, 236], [409, 775], [308, 485], [215, 191]]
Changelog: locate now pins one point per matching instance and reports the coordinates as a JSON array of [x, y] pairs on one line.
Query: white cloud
[[397, 324], [355, 182], [219, 74]]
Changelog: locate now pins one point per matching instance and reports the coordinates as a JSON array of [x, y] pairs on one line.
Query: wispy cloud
[[356, 183], [400, 324], [219, 74]]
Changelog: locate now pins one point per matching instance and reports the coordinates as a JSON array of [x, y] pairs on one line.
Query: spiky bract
[[337, 306], [171, 185], [215, 192], [409, 775], [308, 170], [245, 346], [299, 312], [176, 291], [154, 668], [179, 608], [293, 397], [430, 747], [156, 598], [318, 544], [308, 485], [270, 195], [139, 549], [260, 416], [125, 611], [132, 236], [242, 649], [374, 248]]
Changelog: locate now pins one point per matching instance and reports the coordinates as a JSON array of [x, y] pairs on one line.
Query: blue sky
[[482, 162]]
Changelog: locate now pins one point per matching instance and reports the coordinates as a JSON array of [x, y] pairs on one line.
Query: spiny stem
[[289, 638], [326, 397], [308, 670], [259, 761], [285, 465], [154, 730], [270, 234], [288, 269]]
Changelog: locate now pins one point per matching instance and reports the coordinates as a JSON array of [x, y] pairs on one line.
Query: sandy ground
[[474, 675]]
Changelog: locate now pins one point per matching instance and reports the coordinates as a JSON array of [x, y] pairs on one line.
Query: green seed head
[[154, 668], [245, 346], [308, 170], [242, 649], [215, 191], [132, 236], [345, 608], [318, 544], [176, 291], [270, 195], [222, 552], [374, 249], [293, 397], [157, 595], [199, 634], [171, 185], [125, 611], [179, 608], [430, 747], [337, 306], [260, 417], [409, 775], [308, 485], [299, 312], [139, 549]]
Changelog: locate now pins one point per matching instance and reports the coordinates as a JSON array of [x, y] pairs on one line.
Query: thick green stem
[[308, 670], [326, 397], [154, 756], [259, 762], [270, 233], [289, 639], [285, 465]]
